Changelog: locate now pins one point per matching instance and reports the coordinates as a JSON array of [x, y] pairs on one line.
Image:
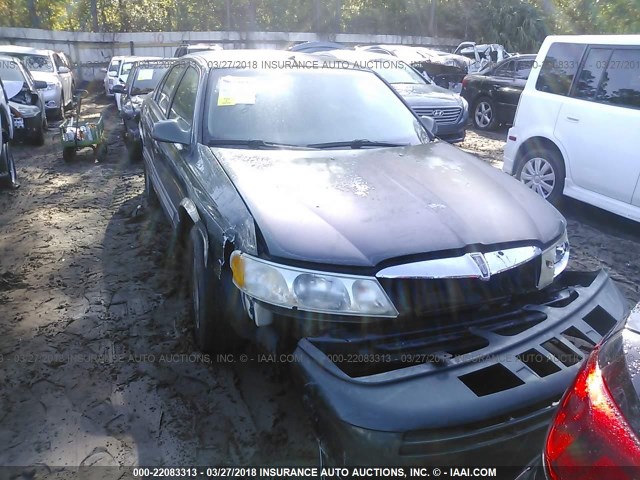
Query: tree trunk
[[337, 22], [94, 14], [33, 14], [432, 19], [228, 19]]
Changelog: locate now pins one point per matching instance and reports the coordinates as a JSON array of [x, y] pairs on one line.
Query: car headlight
[[463, 102], [26, 111], [554, 260], [51, 86], [309, 290]]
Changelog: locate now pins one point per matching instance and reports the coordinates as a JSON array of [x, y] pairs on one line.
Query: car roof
[[597, 39], [316, 46], [360, 55], [21, 49], [249, 55], [8, 58]]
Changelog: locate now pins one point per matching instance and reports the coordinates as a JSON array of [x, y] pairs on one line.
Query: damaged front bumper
[[478, 393]]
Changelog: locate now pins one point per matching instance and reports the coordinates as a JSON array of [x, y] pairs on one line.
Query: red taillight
[[465, 81], [590, 431]]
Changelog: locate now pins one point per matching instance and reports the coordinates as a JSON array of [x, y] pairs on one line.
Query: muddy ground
[[97, 365]]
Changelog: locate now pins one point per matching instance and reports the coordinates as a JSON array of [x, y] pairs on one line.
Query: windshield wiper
[[252, 144], [355, 144]]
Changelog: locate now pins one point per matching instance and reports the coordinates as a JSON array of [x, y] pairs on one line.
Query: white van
[[577, 126]]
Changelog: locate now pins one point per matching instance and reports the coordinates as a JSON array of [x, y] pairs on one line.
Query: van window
[[559, 68], [591, 73], [621, 81]]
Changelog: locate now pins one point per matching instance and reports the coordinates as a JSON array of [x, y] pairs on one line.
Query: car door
[[175, 156], [599, 122], [502, 87], [65, 78], [157, 110]]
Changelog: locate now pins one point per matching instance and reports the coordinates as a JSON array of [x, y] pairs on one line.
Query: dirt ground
[[97, 365]]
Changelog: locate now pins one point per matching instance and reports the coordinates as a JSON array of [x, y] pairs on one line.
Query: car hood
[[416, 94], [12, 87], [46, 77], [362, 207]]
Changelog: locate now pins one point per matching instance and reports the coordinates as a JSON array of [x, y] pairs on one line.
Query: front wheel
[[542, 170], [8, 167], [484, 114], [59, 115], [38, 137], [211, 297]]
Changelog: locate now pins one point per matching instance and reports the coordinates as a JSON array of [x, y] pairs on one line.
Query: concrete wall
[[92, 51]]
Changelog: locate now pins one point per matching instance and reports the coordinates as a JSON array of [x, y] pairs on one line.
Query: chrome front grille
[[442, 116]]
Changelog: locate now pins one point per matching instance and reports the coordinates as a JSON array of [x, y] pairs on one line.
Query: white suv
[[577, 126]]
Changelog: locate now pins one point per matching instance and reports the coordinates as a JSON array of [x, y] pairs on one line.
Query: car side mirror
[[39, 84], [112, 73], [430, 124], [169, 131], [117, 88], [63, 69], [103, 69]]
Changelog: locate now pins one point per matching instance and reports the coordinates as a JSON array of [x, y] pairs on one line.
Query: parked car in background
[[8, 174], [481, 56], [123, 73], [318, 215], [25, 100], [405, 52], [186, 48], [494, 92], [595, 433], [449, 110], [576, 128], [111, 74], [142, 79], [66, 61], [48, 67], [314, 47]]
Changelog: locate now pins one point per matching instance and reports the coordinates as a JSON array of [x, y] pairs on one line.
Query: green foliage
[[520, 25]]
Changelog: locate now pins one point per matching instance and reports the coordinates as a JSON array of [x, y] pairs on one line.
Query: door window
[[505, 70], [591, 73], [559, 68], [170, 82], [523, 69], [184, 101], [620, 84]]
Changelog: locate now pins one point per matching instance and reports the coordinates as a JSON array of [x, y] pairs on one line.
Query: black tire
[[8, 166], [68, 154], [59, 112], [535, 168], [211, 299], [134, 150], [149, 191], [39, 137], [485, 114], [101, 151]]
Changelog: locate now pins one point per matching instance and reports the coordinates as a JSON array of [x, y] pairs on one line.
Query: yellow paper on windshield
[[146, 74], [236, 91]]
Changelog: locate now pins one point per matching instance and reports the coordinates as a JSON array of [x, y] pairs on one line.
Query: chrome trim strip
[[470, 265]]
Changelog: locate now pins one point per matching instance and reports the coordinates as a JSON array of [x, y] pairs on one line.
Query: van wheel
[[542, 170], [211, 298], [484, 114], [59, 115]]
